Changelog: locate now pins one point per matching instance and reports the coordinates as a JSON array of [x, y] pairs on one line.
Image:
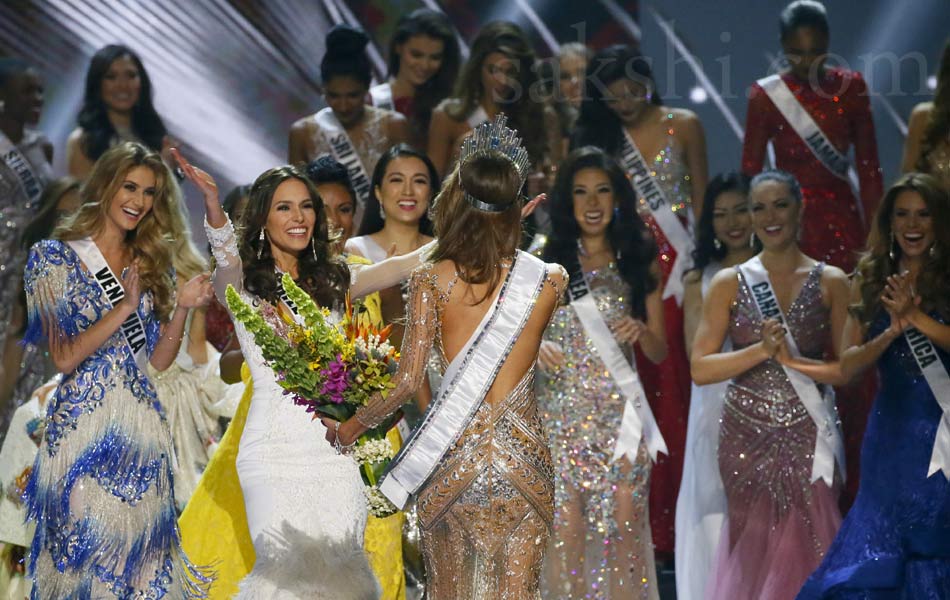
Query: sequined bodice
[[939, 161], [767, 392], [671, 170], [369, 143]]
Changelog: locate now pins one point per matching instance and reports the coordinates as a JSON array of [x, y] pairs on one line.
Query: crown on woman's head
[[493, 138]]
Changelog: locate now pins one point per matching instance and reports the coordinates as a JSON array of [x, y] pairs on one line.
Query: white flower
[[373, 451], [378, 504]]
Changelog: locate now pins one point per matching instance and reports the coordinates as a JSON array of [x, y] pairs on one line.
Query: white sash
[[939, 381], [343, 151], [806, 128], [466, 381], [828, 444], [382, 96], [661, 208], [638, 420], [133, 330], [477, 117], [30, 180]]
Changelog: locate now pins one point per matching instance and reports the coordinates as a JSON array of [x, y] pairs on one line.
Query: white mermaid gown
[[305, 506]]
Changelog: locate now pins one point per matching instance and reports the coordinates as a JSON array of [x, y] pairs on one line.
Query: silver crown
[[492, 138]]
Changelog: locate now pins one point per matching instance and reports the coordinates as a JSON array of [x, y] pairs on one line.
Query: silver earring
[[313, 247], [260, 248], [890, 251], [717, 244], [382, 213], [752, 241], [933, 250]]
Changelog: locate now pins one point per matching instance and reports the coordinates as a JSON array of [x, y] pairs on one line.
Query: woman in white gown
[[722, 240], [305, 506]]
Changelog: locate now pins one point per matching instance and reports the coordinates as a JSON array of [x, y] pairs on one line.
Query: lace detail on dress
[[223, 242]]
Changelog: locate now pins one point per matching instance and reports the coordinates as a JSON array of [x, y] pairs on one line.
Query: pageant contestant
[[895, 541], [663, 151], [103, 292], [497, 78], [352, 132], [484, 501], [927, 149], [302, 550], [25, 156], [603, 436], [424, 61], [723, 237], [117, 107], [780, 450]]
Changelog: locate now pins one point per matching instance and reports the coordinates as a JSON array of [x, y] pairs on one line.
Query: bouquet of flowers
[[328, 368]]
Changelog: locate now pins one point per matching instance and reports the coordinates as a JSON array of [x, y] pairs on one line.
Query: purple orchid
[[335, 380]]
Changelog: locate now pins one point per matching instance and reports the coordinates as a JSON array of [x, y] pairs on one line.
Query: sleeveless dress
[[895, 542], [304, 502], [486, 511], [582, 407], [668, 383], [701, 504], [779, 524], [101, 491]]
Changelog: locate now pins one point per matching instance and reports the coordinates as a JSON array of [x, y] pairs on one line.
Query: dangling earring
[[891, 252], [382, 213], [2, 106], [260, 248], [752, 241], [313, 246], [933, 250], [717, 244]]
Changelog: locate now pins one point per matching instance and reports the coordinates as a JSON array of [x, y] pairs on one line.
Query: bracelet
[[340, 448]]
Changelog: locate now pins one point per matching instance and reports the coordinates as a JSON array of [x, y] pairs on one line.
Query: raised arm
[[421, 324], [366, 279]]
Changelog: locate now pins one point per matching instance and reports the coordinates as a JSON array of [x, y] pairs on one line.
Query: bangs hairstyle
[[97, 129], [633, 245], [372, 215], [706, 251], [324, 276], [436, 25], [475, 240], [153, 240], [598, 125], [525, 115], [876, 265]]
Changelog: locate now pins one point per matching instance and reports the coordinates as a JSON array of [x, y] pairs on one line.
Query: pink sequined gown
[[779, 524]]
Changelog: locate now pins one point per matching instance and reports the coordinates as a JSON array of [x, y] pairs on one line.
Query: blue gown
[[895, 542], [101, 490]]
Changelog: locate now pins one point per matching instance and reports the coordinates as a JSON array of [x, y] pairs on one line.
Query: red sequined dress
[[832, 226]]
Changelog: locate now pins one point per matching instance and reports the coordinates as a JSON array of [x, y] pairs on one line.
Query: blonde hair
[[153, 241]]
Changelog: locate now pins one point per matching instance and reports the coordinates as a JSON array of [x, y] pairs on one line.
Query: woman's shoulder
[[51, 249]]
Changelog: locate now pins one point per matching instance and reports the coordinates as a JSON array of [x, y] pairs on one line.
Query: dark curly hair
[[436, 25], [325, 277], [876, 265], [598, 125], [706, 250], [372, 219], [628, 235], [97, 131]]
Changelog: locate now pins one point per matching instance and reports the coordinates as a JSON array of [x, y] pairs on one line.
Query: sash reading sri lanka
[[382, 96], [342, 148], [638, 420], [133, 330], [466, 381], [939, 381], [806, 128], [25, 172], [661, 208], [829, 447]]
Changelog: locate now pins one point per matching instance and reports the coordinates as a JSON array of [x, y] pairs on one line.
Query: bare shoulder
[[920, 114], [556, 274], [725, 283], [303, 124], [832, 276]]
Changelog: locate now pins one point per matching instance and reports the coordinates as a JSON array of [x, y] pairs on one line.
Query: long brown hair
[[323, 276], [475, 240], [152, 241], [525, 114], [938, 125], [876, 265]]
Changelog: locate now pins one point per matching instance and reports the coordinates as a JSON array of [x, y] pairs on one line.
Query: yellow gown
[[214, 525]]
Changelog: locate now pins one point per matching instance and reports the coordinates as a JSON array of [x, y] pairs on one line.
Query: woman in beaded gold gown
[[485, 506], [602, 545], [780, 449]]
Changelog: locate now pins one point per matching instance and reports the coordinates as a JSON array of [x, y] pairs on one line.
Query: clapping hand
[[196, 292], [773, 337], [628, 330], [132, 286], [899, 298]]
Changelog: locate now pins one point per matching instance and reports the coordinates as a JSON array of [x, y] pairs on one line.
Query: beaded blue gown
[[895, 542]]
